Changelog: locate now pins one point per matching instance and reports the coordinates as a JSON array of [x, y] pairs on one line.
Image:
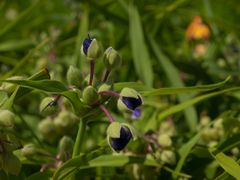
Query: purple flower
[[136, 113], [119, 144], [131, 102], [86, 44]]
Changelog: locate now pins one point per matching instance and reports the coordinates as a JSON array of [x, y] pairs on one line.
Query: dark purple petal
[[86, 44], [119, 144], [131, 102], [136, 113]]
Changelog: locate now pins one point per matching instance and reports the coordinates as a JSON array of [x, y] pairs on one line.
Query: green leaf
[[183, 105], [11, 163], [21, 16], [228, 164], [140, 52], [46, 175], [164, 91], [15, 44], [173, 76], [134, 85], [44, 85], [186, 149]]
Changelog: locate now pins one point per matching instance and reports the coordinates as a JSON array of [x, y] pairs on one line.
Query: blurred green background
[[149, 35]]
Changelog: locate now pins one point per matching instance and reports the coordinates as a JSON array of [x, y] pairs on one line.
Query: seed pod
[[111, 58], [48, 106], [90, 95], [74, 77]]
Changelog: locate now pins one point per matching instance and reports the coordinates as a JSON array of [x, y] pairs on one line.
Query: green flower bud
[[29, 150], [111, 58], [11, 163], [91, 49], [48, 130], [164, 140], [129, 100], [90, 95], [168, 156], [48, 106], [65, 147], [104, 87], [74, 77], [9, 87], [65, 123], [6, 119]]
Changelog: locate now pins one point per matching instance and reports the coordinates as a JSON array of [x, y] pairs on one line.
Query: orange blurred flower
[[197, 30]]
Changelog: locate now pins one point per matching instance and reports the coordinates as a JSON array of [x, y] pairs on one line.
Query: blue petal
[[131, 102], [86, 44], [136, 113], [119, 144]]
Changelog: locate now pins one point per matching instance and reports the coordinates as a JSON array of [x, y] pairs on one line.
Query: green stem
[[79, 139]]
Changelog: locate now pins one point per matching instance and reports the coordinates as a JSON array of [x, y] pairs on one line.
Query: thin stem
[[107, 72], [109, 93], [91, 72], [29, 128], [107, 113], [79, 139]]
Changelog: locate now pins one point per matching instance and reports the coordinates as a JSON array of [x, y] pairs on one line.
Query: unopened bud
[[90, 95], [74, 76], [111, 58], [48, 106]]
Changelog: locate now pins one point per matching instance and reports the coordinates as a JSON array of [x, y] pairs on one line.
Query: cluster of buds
[[213, 134], [129, 100], [93, 94]]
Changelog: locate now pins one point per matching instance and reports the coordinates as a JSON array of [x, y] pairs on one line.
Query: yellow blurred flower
[[197, 30]]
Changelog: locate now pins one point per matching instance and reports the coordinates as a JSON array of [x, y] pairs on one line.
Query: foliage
[[170, 80]]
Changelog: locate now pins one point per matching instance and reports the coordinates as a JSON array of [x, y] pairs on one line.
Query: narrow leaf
[[140, 52]]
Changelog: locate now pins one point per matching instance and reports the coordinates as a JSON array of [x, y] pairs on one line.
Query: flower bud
[[111, 58], [29, 150], [6, 119], [48, 106], [168, 156], [91, 49], [9, 87], [90, 95], [74, 76], [48, 130], [65, 123], [105, 87], [65, 147], [164, 140], [129, 100], [119, 136]]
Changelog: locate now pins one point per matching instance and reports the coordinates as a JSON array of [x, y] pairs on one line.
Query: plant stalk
[[79, 139], [91, 72], [107, 113], [105, 78]]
